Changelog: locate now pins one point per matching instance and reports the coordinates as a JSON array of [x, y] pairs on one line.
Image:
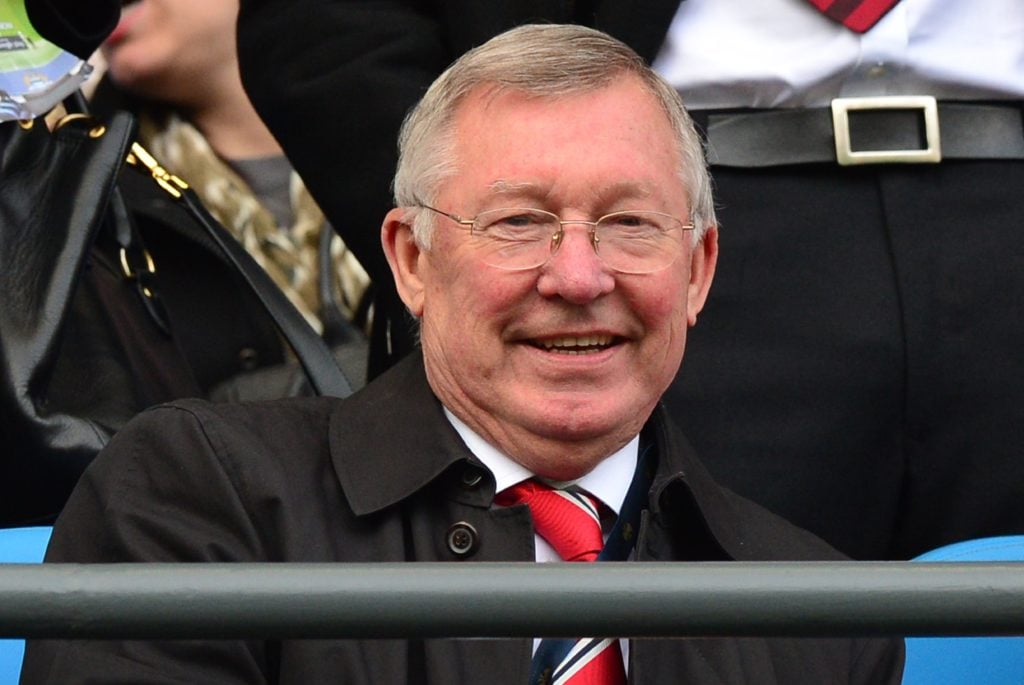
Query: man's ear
[[405, 259], [702, 271]]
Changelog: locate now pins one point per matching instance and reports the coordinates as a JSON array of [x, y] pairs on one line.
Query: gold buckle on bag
[[846, 156]]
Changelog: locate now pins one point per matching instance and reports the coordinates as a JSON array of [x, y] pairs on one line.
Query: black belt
[[875, 130]]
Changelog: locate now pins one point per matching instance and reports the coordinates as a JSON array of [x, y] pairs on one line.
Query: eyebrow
[[615, 191], [503, 187]]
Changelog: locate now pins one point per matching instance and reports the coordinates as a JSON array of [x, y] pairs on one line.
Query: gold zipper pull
[[168, 181]]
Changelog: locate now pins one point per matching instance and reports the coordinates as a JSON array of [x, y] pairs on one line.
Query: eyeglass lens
[[631, 242]]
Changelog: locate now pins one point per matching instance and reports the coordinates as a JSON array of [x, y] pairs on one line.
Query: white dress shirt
[[609, 482], [785, 53]]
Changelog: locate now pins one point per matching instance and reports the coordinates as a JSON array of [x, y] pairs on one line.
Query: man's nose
[[575, 272]]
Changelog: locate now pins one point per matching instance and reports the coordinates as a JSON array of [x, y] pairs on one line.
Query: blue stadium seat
[[19, 546], [969, 660]]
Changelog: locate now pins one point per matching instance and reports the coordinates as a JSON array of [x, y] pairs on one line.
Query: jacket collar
[[391, 439], [686, 498]]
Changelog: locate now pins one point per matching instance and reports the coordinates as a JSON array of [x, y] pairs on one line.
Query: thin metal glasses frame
[[556, 238]]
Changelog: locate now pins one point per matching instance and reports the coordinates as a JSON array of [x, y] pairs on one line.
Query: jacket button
[[462, 539], [471, 477]]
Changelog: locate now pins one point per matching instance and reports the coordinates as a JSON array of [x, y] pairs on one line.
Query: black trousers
[[858, 367]]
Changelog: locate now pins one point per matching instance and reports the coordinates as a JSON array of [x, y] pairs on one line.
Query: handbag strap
[[312, 352]]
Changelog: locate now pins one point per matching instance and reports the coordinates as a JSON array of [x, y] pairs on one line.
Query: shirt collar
[[608, 481]]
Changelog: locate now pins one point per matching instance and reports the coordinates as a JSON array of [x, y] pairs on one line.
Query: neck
[[236, 133], [551, 458], [231, 125]]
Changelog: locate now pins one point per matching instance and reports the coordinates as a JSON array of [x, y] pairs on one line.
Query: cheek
[[468, 306], [662, 304], [663, 312]]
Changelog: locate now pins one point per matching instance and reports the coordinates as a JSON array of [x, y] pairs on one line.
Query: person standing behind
[[858, 365], [174, 62]]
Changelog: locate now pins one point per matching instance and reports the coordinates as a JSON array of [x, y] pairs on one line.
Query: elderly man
[[555, 237]]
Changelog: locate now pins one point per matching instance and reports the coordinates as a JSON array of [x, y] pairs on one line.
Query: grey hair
[[543, 60]]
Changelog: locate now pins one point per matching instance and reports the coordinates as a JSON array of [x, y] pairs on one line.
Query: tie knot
[[569, 521], [857, 15]]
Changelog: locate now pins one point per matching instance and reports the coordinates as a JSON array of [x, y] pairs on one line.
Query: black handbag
[[118, 291]]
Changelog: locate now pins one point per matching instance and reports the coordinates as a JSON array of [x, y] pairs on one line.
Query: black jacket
[[382, 477]]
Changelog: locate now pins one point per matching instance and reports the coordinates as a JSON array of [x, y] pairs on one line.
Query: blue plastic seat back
[[968, 660], [19, 546]]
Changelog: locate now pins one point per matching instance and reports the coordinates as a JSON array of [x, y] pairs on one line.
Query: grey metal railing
[[510, 599]]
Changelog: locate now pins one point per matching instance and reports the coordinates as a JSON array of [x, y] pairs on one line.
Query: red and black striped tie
[[856, 15]]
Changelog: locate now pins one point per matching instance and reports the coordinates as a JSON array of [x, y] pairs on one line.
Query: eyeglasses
[[519, 238]]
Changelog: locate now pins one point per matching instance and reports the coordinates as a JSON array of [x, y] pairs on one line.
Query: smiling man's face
[[561, 365]]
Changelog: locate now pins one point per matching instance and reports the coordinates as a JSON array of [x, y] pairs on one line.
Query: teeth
[[577, 344]]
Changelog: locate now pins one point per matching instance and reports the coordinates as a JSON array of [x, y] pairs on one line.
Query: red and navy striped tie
[[571, 523], [856, 15]]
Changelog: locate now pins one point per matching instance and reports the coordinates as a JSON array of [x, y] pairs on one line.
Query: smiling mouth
[[587, 344]]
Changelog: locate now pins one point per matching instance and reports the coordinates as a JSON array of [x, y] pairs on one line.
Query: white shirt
[[608, 481], [785, 53]]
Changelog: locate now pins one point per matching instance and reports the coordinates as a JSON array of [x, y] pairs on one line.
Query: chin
[[563, 471], [569, 420], [561, 446], [124, 73]]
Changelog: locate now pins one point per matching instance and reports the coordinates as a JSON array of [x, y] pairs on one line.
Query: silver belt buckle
[[841, 127]]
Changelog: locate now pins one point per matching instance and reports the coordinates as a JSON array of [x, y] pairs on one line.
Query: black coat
[[381, 477]]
